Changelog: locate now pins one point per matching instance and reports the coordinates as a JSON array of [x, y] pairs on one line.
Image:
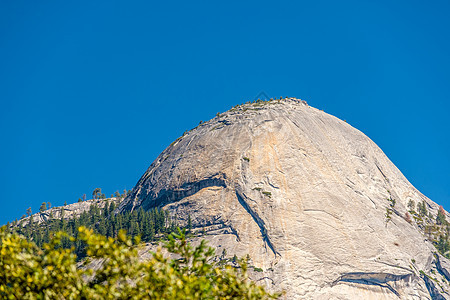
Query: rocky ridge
[[67, 212], [316, 204]]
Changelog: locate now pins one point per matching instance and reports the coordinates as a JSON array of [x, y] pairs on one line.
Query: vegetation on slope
[[52, 272], [436, 229], [147, 224]]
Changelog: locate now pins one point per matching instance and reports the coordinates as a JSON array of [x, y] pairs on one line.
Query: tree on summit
[[96, 193], [43, 207]]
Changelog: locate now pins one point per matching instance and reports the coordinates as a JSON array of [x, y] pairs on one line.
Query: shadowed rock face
[[305, 195]]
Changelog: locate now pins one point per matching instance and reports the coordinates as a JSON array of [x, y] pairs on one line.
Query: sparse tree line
[[146, 224], [437, 229], [96, 194]]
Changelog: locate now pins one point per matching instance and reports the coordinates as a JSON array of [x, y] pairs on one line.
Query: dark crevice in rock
[[225, 122], [379, 279], [165, 196], [223, 225], [234, 231], [395, 211], [440, 268], [262, 226], [272, 185], [379, 169], [434, 293], [266, 277]]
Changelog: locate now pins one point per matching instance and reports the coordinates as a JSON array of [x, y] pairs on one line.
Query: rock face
[[315, 203]]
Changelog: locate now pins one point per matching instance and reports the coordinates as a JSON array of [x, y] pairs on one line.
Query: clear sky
[[92, 91]]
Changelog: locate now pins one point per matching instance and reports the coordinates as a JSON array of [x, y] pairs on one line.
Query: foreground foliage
[[112, 270]]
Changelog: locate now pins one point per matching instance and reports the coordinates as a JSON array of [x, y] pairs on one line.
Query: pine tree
[[43, 207], [151, 234], [96, 193], [189, 226], [102, 227], [440, 218], [145, 228], [411, 205], [106, 210], [443, 245], [62, 221], [112, 207], [423, 209], [110, 229]]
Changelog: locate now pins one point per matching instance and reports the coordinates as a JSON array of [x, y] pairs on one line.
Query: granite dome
[[316, 204]]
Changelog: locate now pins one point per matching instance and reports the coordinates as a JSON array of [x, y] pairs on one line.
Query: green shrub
[[388, 214]]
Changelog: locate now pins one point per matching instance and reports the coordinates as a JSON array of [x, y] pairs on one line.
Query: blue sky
[[92, 91]]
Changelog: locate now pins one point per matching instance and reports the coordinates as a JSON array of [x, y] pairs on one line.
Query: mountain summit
[[320, 209]]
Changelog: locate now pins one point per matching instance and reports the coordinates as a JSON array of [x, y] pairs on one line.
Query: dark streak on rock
[[379, 169], [440, 268], [379, 279], [164, 196], [262, 226], [434, 293]]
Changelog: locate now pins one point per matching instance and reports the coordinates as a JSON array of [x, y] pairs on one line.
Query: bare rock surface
[[306, 195]]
